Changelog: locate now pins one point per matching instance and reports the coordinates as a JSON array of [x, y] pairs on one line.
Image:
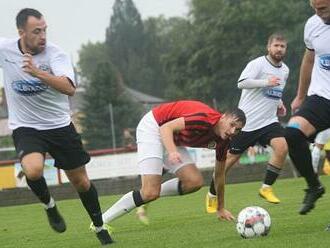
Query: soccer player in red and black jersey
[[162, 137]]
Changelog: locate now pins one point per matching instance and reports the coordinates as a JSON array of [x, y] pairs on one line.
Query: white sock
[[265, 186], [123, 206], [316, 154], [50, 204], [211, 195], [98, 229], [170, 187]]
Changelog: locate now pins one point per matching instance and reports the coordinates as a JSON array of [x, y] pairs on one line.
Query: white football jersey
[[32, 103], [260, 104], [317, 38]]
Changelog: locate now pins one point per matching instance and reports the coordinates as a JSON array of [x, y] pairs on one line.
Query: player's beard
[[277, 57], [34, 49]]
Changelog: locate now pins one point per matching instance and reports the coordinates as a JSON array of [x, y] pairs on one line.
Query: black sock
[[212, 188], [180, 189], [91, 203], [137, 198], [300, 155], [272, 173], [40, 189]]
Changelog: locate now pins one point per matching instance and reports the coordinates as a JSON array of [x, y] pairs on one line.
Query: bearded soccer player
[[262, 83], [311, 106], [39, 79], [162, 136]]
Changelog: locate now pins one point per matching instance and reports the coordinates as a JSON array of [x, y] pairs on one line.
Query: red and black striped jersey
[[199, 119]]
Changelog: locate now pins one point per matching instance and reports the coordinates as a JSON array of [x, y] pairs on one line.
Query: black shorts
[[263, 136], [316, 110], [63, 144]]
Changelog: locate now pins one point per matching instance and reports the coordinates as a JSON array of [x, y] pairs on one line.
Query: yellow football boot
[[141, 214], [211, 204], [326, 167], [268, 194]]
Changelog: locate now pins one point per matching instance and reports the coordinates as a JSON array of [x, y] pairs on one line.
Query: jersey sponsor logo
[[29, 87], [212, 144], [324, 61], [273, 93], [44, 67]]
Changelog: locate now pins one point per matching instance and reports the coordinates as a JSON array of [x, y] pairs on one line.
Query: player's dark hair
[[24, 14], [276, 36], [237, 113]]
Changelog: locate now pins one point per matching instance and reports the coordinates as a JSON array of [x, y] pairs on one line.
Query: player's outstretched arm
[[219, 181]]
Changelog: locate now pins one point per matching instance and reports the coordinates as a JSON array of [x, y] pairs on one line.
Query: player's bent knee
[[33, 176], [33, 173], [81, 184], [193, 184]]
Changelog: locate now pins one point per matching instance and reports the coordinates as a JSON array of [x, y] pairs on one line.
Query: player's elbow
[[69, 88], [70, 91], [240, 85]]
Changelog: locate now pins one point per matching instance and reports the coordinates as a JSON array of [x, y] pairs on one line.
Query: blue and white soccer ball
[[253, 222]]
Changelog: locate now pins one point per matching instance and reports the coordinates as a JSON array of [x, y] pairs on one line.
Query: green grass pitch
[[177, 222]]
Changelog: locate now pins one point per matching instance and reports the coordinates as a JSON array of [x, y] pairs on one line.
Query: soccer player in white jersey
[[38, 80], [311, 113], [321, 139], [262, 83]]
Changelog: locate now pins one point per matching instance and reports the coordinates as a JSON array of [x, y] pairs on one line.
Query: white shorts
[[323, 137], [152, 155]]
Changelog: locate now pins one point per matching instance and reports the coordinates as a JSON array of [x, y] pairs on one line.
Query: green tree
[[125, 41], [160, 40], [226, 34], [90, 56], [103, 89]]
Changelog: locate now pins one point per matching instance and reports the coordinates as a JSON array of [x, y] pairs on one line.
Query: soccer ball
[[253, 222]]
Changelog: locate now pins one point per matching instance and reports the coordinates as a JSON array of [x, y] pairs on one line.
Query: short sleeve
[[251, 70], [308, 34], [197, 121], [61, 65]]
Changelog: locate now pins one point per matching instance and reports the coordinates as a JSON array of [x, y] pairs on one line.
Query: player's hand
[[174, 157], [296, 103], [224, 214], [273, 81], [28, 65], [281, 110]]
